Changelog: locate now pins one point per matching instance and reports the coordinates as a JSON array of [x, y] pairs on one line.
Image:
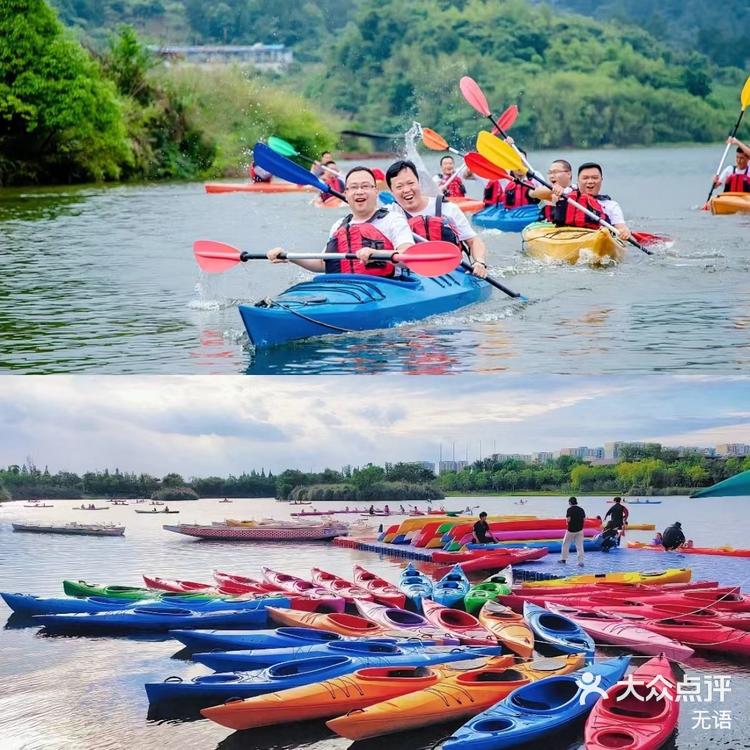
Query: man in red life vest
[[364, 231], [494, 194], [332, 178], [258, 174], [736, 179], [560, 176], [432, 218], [588, 194], [317, 166], [452, 188]]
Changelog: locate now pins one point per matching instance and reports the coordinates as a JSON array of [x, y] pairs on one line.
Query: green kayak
[[488, 590], [132, 593]]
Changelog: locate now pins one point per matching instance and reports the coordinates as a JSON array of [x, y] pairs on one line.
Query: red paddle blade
[[508, 118], [484, 168], [649, 240], [431, 258], [215, 257], [474, 96]]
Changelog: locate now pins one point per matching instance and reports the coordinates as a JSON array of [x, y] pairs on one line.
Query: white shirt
[[613, 210], [392, 225], [727, 172], [450, 211]]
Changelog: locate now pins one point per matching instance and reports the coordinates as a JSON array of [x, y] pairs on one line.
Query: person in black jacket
[[673, 537], [576, 516], [482, 533]]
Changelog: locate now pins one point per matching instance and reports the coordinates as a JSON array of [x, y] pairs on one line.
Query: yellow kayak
[[670, 575], [730, 203], [571, 244]]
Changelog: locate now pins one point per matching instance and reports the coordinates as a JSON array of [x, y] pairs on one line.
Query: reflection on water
[[88, 692], [103, 280]]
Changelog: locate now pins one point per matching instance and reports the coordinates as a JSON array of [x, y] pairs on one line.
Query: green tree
[[60, 120]]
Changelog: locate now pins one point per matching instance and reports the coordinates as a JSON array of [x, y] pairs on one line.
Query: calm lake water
[[102, 279], [75, 692]]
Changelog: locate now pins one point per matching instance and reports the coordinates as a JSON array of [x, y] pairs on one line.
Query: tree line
[[651, 469]]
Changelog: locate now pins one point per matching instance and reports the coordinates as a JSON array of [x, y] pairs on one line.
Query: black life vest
[[565, 214], [349, 238], [738, 182]]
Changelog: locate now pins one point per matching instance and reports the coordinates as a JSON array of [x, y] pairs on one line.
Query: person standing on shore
[[575, 519]]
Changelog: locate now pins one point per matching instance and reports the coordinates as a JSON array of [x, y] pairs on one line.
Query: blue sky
[[216, 425]]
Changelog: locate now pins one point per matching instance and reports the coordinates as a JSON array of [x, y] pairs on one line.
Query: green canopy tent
[[736, 486]]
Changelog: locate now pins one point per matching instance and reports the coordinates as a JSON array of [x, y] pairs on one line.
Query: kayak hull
[[506, 219], [253, 187], [655, 578], [555, 632], [383, 591], [571, 244], [730, 203], [508, 627], [343, 303]]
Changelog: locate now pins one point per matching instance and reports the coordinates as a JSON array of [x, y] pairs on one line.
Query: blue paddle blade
[[279, 166]]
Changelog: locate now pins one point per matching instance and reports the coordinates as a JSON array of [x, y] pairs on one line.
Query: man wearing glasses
[[560, 175], [365, 231]]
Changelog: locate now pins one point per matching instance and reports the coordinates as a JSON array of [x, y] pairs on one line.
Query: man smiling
[[366, 230], [411, 202]]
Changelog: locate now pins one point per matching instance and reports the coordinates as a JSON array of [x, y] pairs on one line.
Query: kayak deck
[[506, 219], [730, 203], [343, 303], [571, 244]]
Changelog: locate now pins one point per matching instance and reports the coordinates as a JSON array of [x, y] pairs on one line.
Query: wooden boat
[[279, 533], [79, 529], [571, 244]]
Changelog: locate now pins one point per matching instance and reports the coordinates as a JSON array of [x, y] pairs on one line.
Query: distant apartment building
[[445, 466], [499, 457], [274, 57], [613, 451], [693, 450], [583, 452], [429, 465], [733, 449], [541, 457]]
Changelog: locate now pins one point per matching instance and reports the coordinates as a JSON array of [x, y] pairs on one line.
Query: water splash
[[412, 136]]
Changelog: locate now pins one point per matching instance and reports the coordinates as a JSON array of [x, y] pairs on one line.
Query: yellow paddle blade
[[745, 95], [434, 140], [499, 152]]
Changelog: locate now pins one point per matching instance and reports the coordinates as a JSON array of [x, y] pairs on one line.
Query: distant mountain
[[717, 29]]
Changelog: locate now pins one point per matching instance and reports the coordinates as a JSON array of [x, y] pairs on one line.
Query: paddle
[[280, 166], [504, 155], [744, 103], [280, 146], [426, 259], [486, 169]]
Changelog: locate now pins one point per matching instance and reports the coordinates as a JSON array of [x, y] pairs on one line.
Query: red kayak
[[384, 592], [178, 586], [495, 561], [242, 583], [656, 611], [464, 626], [340, 586], [639, 713], [301, 587]]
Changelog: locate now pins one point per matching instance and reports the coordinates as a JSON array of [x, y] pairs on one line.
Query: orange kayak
[[467, 205], [508, 627], [253, 187], [464, 626], [343, 624], [456, 697], [328, 698], [730, 203]]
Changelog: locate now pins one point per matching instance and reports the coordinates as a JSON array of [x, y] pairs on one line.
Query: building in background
[[274, 57]]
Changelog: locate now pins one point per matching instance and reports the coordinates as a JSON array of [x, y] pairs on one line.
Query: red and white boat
[[282, 532]]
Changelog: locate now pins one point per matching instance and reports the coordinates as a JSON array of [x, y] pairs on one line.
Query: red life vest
[[738, 182], [547, 213], [334, 182], [455, 189], [517, 195], [493, 193], [437, 227], [352, 237], [566, 214]]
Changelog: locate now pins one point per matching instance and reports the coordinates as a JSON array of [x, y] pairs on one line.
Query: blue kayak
[[151, 619], [236, 640], [534, 711], [343, 302], [451, 589], [415, 585], [558, 634], [28, 604], [220, 686], [506, 219], [405, 652]]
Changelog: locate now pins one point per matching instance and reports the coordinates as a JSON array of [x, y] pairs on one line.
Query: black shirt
[[618, 514], [672, 537], [576, 516], [481, 530]]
